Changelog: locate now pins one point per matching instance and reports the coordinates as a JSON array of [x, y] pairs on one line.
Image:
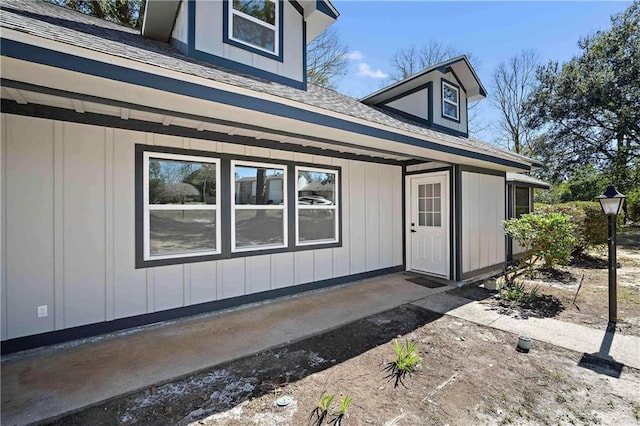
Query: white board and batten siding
[[68, 229], [483, 210]]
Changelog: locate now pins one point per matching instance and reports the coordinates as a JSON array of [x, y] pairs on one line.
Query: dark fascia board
[[481, 170], [441, 66], [35, 54], [297, 6], [527, 185], [327, 8]]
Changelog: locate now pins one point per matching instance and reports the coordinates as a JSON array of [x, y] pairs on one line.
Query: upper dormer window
[[450, 101], [254, 23]]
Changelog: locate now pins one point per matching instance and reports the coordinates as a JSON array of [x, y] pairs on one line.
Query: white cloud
[[356, 55], [364, 70]]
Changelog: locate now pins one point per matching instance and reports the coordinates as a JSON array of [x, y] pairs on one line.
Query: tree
[[511, 85], [326, 59], [589, 107], [407, 62], [124, 12]]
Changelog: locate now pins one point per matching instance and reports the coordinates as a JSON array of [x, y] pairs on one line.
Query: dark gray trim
[[453, 261], [448, 130], [526, 184], [304, 54], [90, 330], [240, 45], [226, 213], [62, 114], [297, 6], [487, 269], [430, 102], [458, 218], [179, 45], [509, 216], [404, 216], [66, 61], [405, 94], [421, 172], [324, 8], [481, 170], [450, 69], [458, 88]]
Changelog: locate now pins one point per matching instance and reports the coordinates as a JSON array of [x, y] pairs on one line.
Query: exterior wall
[[416, 104], [483, 210], [438, 119], [181, 25], [209, 39], [68, 235]]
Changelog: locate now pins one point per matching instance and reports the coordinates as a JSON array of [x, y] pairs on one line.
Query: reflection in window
[[259, 206], [317, 205], [450, 101], [253, 22], [181, 198]]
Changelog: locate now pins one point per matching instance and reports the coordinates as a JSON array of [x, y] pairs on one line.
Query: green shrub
[[633, 204], [548, 237], [590, 221]]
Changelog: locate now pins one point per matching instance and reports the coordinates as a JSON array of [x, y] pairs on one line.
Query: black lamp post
[[611, 202]]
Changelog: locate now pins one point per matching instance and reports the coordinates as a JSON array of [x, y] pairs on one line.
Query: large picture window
[[259, 206], [317, 206], [181, 199], [450, 101], [255, 23]]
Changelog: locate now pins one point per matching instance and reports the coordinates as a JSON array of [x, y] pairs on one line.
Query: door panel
[[429, 230]]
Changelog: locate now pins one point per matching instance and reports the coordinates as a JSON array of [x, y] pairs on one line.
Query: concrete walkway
[[48, 382], [624, 349]]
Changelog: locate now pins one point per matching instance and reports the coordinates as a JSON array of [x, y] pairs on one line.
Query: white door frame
[[408, 200]]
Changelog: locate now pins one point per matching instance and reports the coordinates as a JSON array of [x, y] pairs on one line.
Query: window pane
[[259, 227], [422, 219], [429, 205], [436, 189], [422, 192], [316, 224], [422, 205], [262, 9], [181, 182], [259, 185], [450, 94], [182, 231], [316, 188], [429, 190], [253, 33], [522, 197], [437, 221], [429, 219], [450, 110], [436, 204]]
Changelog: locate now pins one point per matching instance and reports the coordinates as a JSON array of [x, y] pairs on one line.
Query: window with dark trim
[[255, 23], [196, 206], [317, 206], [522, 201], [450, 101], [181, 206], [258, 206]]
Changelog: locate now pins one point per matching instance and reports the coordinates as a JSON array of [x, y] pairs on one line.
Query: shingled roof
[[49, 21]]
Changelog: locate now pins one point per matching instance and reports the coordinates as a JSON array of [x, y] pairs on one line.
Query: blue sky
[[492, 31]]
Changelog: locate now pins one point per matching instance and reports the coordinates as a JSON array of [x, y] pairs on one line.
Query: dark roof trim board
[[30, 53], [327, 8]]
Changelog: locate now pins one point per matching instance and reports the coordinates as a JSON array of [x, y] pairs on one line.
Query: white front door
[[429, 224]]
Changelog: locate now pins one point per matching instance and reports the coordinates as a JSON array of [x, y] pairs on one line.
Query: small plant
[[345, 402], [405, 363], [320, 413], [517, 292]]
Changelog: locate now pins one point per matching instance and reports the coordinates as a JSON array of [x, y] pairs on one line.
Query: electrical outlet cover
[[42, 311]]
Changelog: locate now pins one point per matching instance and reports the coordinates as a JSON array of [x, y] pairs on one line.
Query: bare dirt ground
[[470, 374], [558, 288]]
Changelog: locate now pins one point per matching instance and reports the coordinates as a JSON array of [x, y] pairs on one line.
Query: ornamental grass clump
[[406, 362]]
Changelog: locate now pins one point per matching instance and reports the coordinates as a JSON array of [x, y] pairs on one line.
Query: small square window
[[450, 101]]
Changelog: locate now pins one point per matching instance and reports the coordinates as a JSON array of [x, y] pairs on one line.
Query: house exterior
[[140, 171]]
